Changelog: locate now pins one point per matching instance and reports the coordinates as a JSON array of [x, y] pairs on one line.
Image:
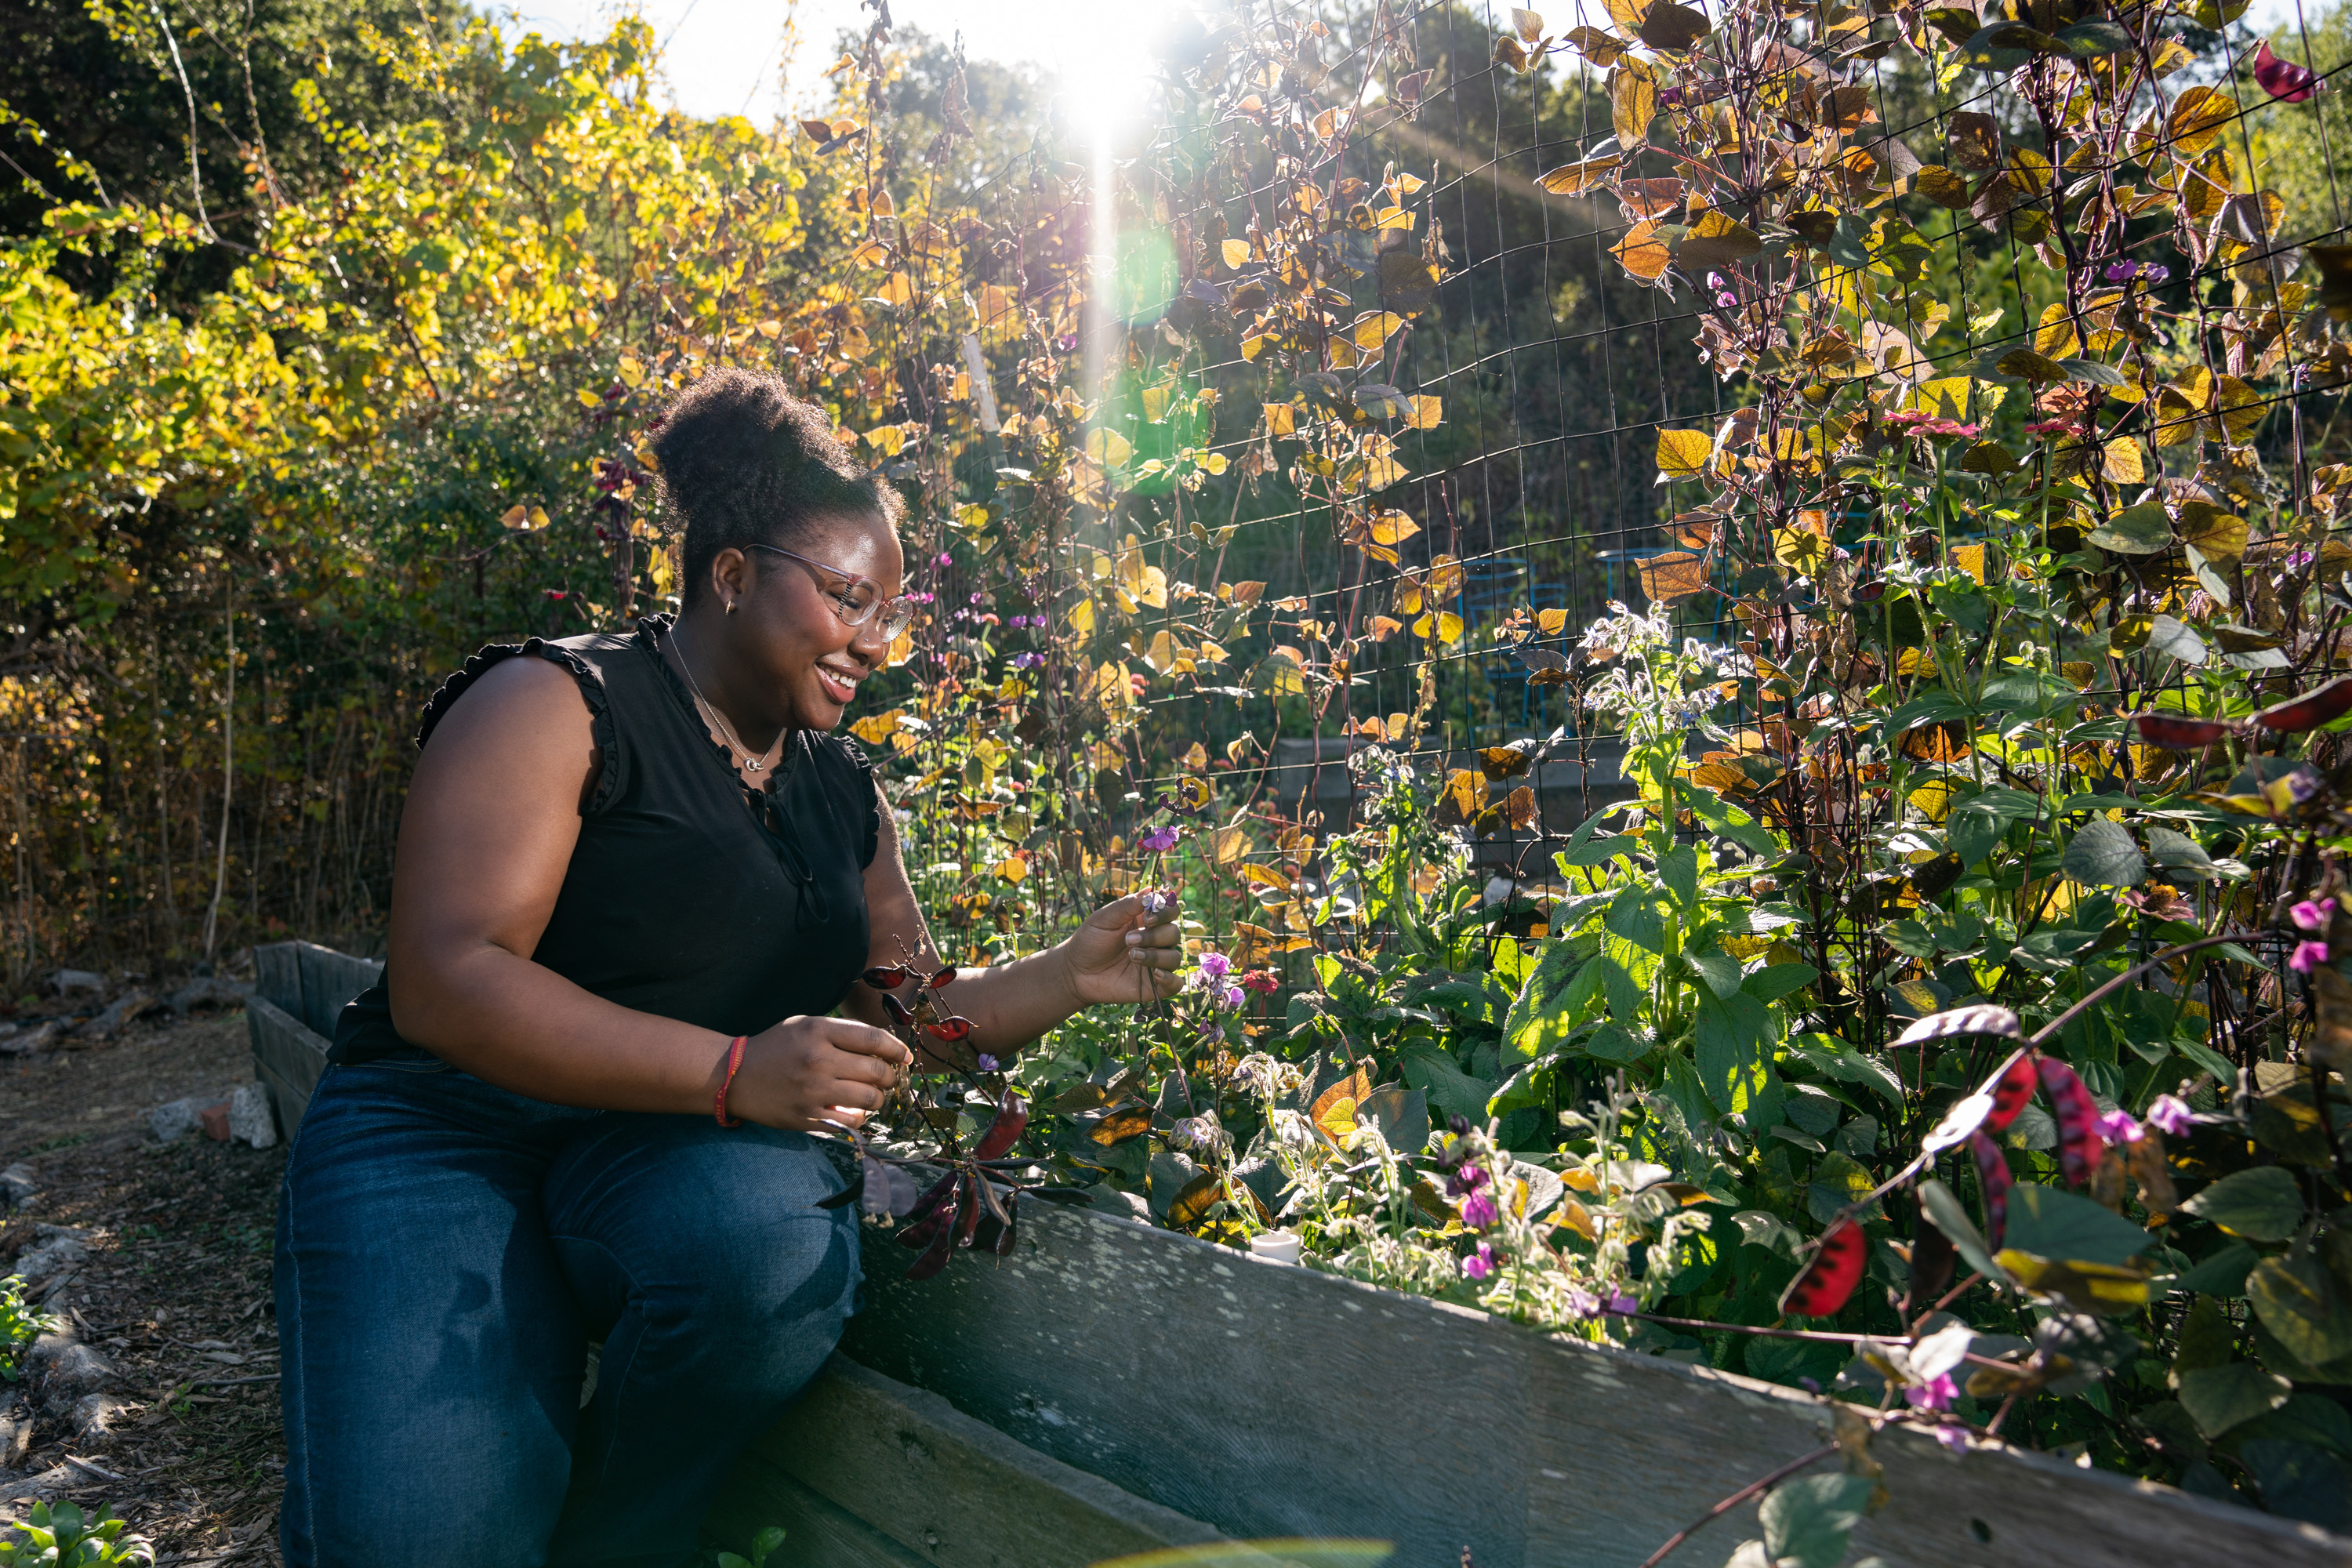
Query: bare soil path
[[174, 1290]]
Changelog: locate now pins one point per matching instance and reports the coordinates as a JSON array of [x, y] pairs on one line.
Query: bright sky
[[722, 54]]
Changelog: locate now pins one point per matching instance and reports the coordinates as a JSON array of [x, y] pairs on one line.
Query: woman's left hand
[[1124, 954]]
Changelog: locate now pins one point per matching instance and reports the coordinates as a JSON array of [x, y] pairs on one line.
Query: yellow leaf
[[1108, 447], [515, 516], [1574, 179], [771, 328], [2122, 462], [1551, 622], [1224, 844], [1424, 411], [875, 728], [1392, 527], [889, 439], [1161, 655], [1237, 252], [1684, 454], [1375, 329], [1081, 617], [1280, 418], [1449, 626], [1109, 759], [1970, 559], [1633, 103], [1012, 869], [2197, 119]]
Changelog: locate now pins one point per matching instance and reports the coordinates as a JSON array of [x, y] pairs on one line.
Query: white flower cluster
[[1622, 631], [1265, 1077]]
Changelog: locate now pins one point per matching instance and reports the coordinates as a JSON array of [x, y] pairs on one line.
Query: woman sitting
[[636, 881]]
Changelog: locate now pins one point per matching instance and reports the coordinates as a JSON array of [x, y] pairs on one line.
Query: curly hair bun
[[745, 462]]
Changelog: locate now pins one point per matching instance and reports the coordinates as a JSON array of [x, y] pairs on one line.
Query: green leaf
[[2218, 1399], [1718, 969], [2176, 639], [2301, 1481], [1625, 993], [2135, 530], [1447, 1087], [2050, 1222], [1616, 1043], [1775, 981], [1807, 1520], [2261, 1204], [2223, 1274], [1634, 916], [1402, 1114], [1945, 1212], [1827, 1054], [2089, 41], [1549, 1004], [1731, 1036], [1678, 870], [2299, 1303], [2102, 855]]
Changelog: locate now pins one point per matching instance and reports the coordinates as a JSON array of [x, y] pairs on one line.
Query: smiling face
[[792, 661]]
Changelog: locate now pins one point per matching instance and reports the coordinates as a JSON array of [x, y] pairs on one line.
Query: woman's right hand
[[806, 1072]]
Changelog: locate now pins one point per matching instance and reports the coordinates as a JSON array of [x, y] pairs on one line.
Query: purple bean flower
[[2121, 271], [2310, 914], [1479, 1264], [1620, 1304], [1727, 299], [1469, 1179], [945, 560], [1027, 660], [1937, 1394], [1215, 966], [1582, 1303], [1715, 279], [1479, 1211], [2154, 275], [987, 1062], [2308, 956], [1157, 901], [1229, 998], [2118, 1127], [2171, 1115], [1159, 840], [1954, 1437]]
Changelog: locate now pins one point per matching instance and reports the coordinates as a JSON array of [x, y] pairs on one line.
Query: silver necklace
[[755, 765]]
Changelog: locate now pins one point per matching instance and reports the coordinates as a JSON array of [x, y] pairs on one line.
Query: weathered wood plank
[[287, 1058], [1267, 1400], [1271, 1400], [329, 979], [817, 1533], [278, 974], [861, 1453]]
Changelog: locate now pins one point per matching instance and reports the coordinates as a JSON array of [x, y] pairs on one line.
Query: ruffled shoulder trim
[[584, 675], [850, 752]]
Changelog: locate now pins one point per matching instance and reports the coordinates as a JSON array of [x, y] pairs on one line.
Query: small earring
[[730, 607]]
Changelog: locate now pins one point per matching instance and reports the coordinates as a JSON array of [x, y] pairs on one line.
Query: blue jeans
[[445, 1252]]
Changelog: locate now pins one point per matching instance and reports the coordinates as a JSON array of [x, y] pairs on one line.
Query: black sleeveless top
[[689, 895]]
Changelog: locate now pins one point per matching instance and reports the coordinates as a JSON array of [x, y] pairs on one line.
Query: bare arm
[[491, 819], [1120, 954]]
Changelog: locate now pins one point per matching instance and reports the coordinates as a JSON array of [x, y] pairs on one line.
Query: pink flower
[[1937, 1394], [2119, 1127], [945, 559], [2171, 1115], [1479, 1211], [1479, 1264], [1727, 299], [2283, 79], [2308, 956], [1955, 1437], [1263, 981], [2310, 914]]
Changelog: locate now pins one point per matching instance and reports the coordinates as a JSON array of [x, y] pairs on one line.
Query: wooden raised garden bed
[[1114, 1387]]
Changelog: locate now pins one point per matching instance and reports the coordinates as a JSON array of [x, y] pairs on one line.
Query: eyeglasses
[[860, 601]]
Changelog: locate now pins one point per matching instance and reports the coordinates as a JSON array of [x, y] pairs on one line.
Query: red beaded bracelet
[[734, 1060]]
